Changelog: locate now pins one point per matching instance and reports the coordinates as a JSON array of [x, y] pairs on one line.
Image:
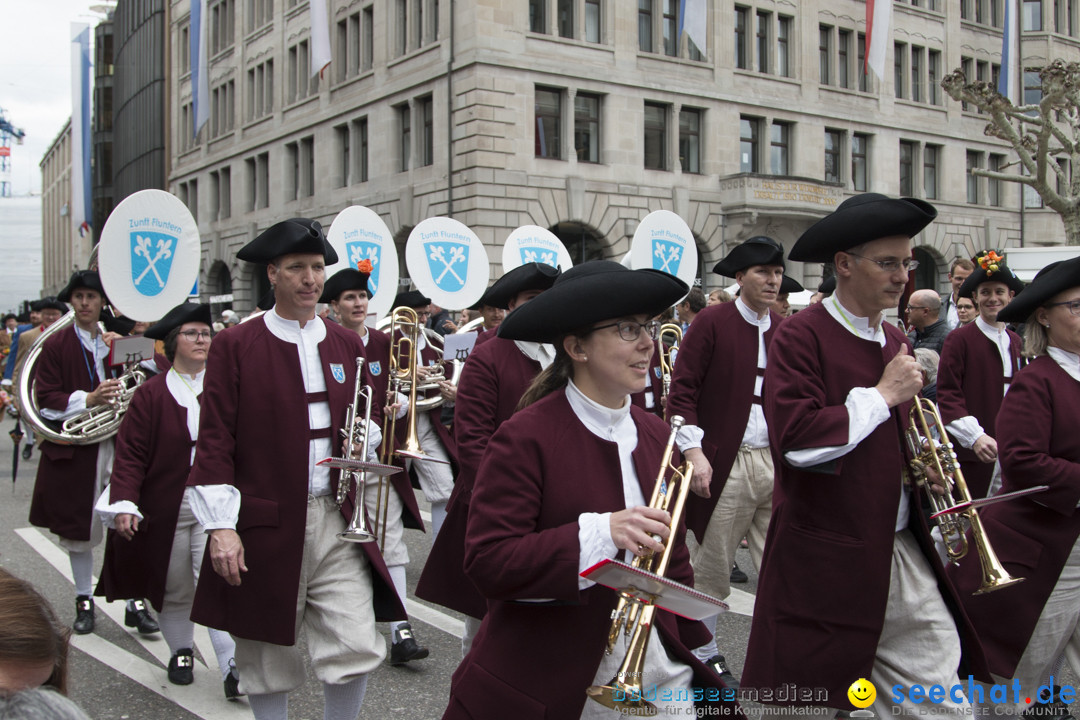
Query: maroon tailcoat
[[824, 579], [153, 455], [1032, 536], [970, 382], [493, 380], [712, 386], [378, 364], [542, 469], [254, 435], [63, 499]]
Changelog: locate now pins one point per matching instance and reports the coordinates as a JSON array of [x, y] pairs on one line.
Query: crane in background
[[7, 132]]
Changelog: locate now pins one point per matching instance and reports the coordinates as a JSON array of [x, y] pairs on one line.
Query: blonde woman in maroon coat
[[562, 486]]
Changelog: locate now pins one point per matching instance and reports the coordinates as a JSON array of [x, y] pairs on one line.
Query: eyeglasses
[[630, 330], [891, 266], [916, 307], [194, 335], [1072, 305]]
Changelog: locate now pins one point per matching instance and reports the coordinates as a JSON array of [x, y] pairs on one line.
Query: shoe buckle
[[83, 605], [138, 605], [184, 661], [404, 634]]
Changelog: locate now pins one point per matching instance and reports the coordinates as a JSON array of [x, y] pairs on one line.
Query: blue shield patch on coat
[[449, 263], [538, 255], [338, 371], [666, 256], [375, 368], [361, 250], [151, 260], [656, 370]]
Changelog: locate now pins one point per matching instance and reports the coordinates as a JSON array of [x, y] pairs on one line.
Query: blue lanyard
[[86, 362]]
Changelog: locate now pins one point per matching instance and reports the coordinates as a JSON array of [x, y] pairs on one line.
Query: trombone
[[931, 448], [669, 339], [633, 616], [357, 531]]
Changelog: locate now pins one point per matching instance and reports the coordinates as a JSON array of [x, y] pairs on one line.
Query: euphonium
[[931, 448], [93, 424], [668, 350], [357, 530], [633, 616]]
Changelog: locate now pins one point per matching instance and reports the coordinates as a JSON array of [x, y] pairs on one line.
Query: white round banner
[[358, 234], [447, 262], [532, 243], [663, 241], [148, 254]]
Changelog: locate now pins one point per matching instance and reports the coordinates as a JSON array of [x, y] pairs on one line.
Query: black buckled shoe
[[405, 648], [737, 575], [232, 685], [84, 615], [140, 618], [719, 666], [27, 451], [182, 667]]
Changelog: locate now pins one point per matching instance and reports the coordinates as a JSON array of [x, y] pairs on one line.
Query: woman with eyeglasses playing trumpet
[[1024, 629], [563, 485], [155, 547]]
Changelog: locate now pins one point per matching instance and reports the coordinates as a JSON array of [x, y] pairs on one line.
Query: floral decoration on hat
[[990, 262], [364, 266]]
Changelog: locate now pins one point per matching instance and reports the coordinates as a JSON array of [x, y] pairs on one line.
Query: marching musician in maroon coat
[[72, 376], [155, 549], [978, 362], [275, 397], [716, 387], [850, 585], [562, 486], [1025, 628], [492, 382], [348, 293]]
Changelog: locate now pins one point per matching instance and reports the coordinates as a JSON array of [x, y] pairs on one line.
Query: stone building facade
[[584, 115], [63, 249]]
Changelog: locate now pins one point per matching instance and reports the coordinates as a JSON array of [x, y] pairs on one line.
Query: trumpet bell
[[622, 697], [356, 535]]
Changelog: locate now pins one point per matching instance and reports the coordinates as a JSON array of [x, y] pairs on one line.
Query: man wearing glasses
[[850, 585], [928, 328]]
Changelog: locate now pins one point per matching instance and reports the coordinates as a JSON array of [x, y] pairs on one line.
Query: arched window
[[582, 242]]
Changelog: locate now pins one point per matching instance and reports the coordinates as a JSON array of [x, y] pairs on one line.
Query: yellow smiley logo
[[862, 693]]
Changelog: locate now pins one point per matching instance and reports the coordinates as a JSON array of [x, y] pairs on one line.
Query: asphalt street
[[118, 675]]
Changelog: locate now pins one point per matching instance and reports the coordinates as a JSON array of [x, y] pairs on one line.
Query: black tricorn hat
[[347, 279], [411, 299], [266, 301], [81, 279], [990, 267], [860, 219], [588, 293], [758, 250], [183, 313], [530, 276], [119, 324], [827, 286], [297, 235], [50, 303], [1054, 278], [789, 285]]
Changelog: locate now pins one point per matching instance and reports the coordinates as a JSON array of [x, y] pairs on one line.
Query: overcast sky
[[35, 76]]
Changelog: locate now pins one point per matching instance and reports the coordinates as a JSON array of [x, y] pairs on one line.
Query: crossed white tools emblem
[[457, 254], [667, 254], [164, 250], [541, 256], [358, 253]]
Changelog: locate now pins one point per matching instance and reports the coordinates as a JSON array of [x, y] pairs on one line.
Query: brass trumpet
[[672, 333], [357, 530], [931, 447], [633, 616]]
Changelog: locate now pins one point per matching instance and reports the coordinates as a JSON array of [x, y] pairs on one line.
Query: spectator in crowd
[[692, 304], [958, 273], [966, 311], [928, 361], [928, 329], [39, 704], [718, 296], [33, 641]]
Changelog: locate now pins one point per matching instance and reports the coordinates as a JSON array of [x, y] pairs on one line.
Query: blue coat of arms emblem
[[538, 255], [666, 256], [362, 250], [449, 263], [151, 261], [338, 371], [375, 367]]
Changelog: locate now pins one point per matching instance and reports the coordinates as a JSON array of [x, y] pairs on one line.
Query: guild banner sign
[[447, 262], [663, 241], [359, 235], [529, 244], [149, 255]]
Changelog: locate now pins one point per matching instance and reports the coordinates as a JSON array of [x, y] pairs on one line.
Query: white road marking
[[194, 698]]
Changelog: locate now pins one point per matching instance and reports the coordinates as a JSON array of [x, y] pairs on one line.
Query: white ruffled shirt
[[1069, 362], [543, 353], [865, 405]]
